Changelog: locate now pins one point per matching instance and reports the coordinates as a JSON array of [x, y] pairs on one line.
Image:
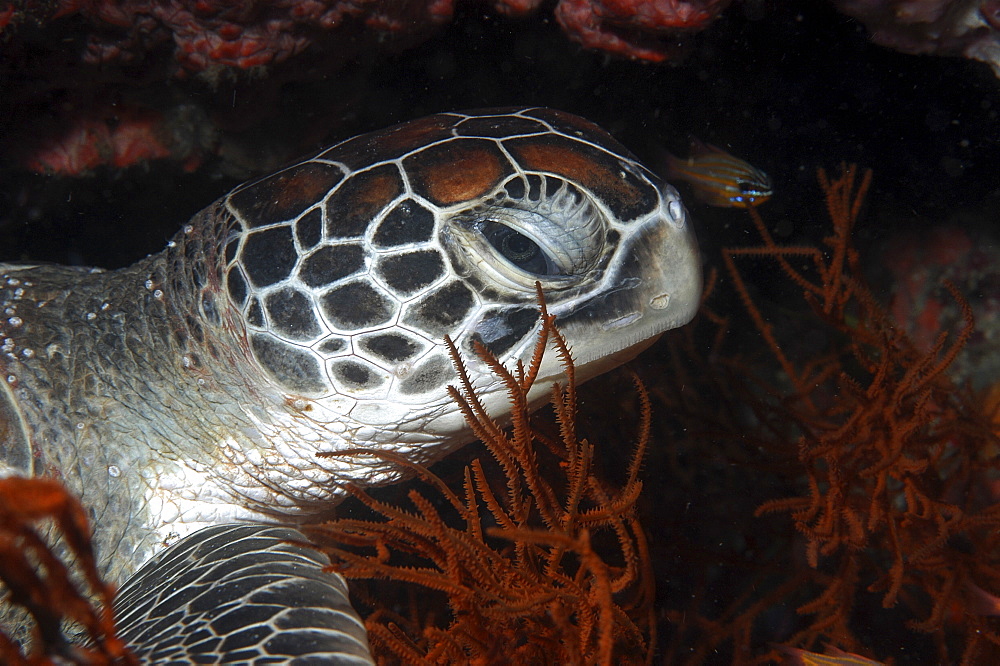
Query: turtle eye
[[518, 249]]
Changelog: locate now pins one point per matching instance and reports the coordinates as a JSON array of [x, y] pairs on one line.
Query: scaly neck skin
[[137, 388], [128, 392]]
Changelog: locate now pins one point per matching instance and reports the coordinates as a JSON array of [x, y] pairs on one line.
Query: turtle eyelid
[[518, 249]]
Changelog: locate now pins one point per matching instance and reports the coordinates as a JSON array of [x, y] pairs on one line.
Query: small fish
[[718, 178], [980, 602], [833, 657]]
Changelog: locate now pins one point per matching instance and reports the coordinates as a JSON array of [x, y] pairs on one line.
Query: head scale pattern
[[349, 268]]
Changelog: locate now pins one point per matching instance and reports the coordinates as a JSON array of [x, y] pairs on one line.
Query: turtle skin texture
[[305, 313]]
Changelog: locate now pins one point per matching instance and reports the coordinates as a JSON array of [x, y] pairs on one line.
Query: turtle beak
[[656, 286]]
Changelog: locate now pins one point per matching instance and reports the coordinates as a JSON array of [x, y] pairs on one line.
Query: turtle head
[[349, 269]]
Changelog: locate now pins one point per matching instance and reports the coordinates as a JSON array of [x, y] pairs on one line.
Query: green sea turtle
[[184, 398]]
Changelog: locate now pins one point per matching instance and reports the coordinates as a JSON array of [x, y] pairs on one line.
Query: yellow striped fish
[[718, 178]]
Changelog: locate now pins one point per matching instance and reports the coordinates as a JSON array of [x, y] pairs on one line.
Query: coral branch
[[38, 580], [883, 473], [554, 570]]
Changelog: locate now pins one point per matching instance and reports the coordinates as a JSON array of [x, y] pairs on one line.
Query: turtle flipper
[[240, 593]]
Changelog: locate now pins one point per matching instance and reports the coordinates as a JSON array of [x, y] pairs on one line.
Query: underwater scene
[[806, 472]]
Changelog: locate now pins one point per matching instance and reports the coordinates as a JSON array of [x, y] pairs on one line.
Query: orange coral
[[551, 566], [889, 466], [53, 597]]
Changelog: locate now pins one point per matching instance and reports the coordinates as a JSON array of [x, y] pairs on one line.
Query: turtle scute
[[442, 226]]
